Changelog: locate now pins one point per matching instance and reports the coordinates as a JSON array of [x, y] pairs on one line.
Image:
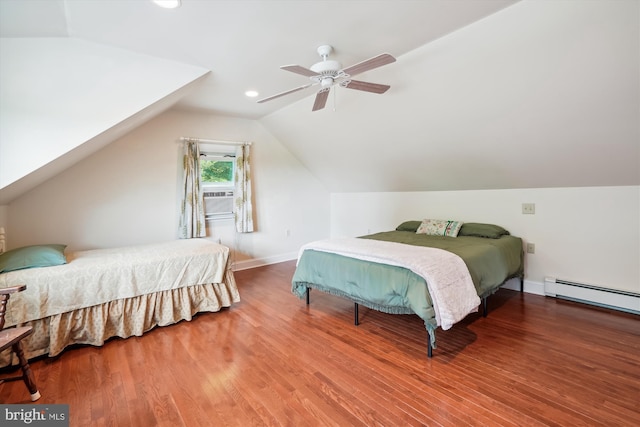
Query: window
[[217, 181]]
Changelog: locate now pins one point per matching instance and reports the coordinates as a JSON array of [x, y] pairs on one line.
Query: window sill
[[220, 218]]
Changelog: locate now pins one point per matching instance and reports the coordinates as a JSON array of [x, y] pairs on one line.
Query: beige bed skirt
[[124, 318]]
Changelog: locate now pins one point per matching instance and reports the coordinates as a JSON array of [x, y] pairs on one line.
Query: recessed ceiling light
[[251, 93], [167, 4]]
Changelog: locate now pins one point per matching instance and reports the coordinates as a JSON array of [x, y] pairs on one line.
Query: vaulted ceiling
[[245, 42], [484, 94]]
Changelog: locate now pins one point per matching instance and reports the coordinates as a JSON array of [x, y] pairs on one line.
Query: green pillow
[[409, 226], [31, 257], [482, 230]]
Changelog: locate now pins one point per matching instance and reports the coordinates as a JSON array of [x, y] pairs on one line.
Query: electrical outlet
[[529, 208], [531, 248], [287, 233]]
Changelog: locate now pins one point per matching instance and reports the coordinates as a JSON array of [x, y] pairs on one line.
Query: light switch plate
[[529, 208]]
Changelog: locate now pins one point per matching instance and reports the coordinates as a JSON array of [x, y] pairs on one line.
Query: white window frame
[[218, 188]]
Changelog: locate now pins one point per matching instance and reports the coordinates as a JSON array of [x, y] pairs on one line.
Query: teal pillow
[[31, 257], [482, 230]]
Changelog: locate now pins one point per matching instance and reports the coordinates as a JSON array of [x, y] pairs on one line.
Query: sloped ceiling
[[63, 99], [243, 43], [541, 94], [485, 93]]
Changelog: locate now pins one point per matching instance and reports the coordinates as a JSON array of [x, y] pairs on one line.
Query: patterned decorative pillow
[[439, 227]]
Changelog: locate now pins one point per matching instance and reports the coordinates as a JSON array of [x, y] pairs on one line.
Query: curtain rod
[[213, 141]]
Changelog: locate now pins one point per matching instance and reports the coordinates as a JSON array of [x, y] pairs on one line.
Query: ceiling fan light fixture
[[326, 82], [167, 4]]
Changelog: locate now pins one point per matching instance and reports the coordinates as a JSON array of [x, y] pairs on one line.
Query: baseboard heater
[[594, 295]]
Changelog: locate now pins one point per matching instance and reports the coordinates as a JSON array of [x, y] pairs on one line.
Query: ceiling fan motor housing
[[328, 70], [327, 67]]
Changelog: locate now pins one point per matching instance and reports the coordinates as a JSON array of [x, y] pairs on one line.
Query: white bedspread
[[447, 276], [97, 276]]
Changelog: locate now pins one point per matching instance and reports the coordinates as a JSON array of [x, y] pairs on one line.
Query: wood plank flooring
[[271, 360]]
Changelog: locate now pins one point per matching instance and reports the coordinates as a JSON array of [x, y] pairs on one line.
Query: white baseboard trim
[[259, 262], [529, 286]]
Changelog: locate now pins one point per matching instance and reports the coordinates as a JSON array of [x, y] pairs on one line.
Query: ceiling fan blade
[[299, 70], [369, 64], [365, 86], [284, 93], [321, 99]]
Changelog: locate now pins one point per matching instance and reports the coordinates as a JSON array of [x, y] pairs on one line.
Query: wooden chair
[[11, 337]]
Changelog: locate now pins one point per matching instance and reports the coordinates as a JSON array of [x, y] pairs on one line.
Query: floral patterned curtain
[[192, 222], [242, 195]]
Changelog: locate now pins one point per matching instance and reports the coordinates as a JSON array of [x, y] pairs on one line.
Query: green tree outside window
[[219, 171]]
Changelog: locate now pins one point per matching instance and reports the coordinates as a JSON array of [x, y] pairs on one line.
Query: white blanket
[[447, 276]]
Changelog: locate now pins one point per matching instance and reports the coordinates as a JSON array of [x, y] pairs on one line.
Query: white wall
[[127, 193], [589, 235]]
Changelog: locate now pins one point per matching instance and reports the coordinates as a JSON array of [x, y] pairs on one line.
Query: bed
[[440, 272], [87, 297]]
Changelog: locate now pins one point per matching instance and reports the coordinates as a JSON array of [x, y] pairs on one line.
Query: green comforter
[[397, 290], [490, 261]]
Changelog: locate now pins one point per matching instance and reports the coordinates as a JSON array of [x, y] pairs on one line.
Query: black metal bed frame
[[356, 320]]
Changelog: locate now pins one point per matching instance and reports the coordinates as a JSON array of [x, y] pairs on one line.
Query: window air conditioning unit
[[218, 203]]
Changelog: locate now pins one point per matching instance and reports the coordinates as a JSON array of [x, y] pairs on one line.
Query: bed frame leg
[[484, 307], [355, 314], [522, 284], [429, 348], [308, 289]]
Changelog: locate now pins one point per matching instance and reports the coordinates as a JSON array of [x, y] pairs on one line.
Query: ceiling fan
[[327, 73]]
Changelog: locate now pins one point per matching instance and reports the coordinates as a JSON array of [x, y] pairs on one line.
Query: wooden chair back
[[11, 338]]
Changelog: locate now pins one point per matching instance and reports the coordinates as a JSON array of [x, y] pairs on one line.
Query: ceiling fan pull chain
[[334, 100]]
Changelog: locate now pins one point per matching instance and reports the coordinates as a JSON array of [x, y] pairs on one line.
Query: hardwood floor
[[271, 360]]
